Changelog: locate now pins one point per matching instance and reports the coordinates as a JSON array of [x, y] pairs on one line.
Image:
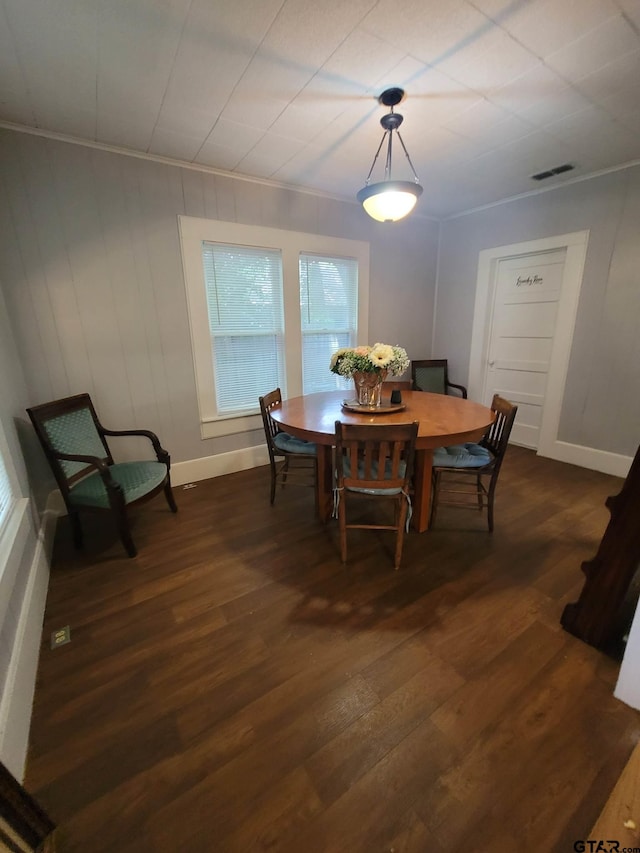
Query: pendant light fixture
[[389, 200]]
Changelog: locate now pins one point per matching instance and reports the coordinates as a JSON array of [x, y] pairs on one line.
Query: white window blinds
[[6, 494], [246, 322], [329, 316]]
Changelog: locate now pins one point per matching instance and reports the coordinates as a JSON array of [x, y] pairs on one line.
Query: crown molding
[[183, 164], [211, 170], [540, 190]]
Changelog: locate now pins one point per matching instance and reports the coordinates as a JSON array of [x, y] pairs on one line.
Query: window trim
[[11, 479], [14, 528], [348, 332], [193, 232]]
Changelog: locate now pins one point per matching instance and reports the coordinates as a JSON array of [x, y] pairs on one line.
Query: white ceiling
[[497, 90]]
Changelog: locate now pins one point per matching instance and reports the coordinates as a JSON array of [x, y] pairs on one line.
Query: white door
[[523, 324]]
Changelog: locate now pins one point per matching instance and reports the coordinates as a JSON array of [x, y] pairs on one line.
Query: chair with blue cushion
[[374, 461], [432, 374], [74, 443], [466, 475], [293, 461]]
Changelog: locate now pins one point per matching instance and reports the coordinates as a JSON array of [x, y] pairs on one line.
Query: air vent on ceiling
[[558, 170]]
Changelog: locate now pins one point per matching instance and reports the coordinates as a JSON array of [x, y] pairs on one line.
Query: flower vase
[[369, 387]]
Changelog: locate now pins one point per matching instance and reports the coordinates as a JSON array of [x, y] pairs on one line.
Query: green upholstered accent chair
[[293, 461], [374, 461], [74, 443], [466, 475], [432, 374]]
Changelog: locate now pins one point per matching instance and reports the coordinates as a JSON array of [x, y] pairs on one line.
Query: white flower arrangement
[[379, 358]]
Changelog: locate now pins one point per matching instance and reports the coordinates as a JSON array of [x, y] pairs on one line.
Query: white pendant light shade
[[389, 200]]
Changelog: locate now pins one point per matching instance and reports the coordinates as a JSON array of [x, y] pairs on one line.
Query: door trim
[[576, 249]]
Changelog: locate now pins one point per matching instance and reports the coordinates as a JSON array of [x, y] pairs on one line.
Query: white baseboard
[[17, 696], [215, 466], [588, 457], [250, 457]]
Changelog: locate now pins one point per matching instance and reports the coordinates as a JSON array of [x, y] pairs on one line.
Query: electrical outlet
[[60, 637]]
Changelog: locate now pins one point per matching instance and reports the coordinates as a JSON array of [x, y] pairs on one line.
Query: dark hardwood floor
[[236, 688]]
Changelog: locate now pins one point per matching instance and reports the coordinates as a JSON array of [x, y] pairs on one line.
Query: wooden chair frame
[[466, 483], [380, 459], [118, 506], [438, 363], [24, 824], [296, 469]]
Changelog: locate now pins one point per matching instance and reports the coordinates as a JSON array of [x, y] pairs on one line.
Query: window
[[267, 308], [14, 524], [329, 317], [8, 483], [246, 323], [7, 497]]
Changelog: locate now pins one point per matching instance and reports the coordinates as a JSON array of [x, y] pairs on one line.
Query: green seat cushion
[[469, 455], [136, 478], [290, 444]]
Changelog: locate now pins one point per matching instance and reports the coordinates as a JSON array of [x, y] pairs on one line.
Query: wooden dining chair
[[293, 461], [466, 475], [74, 442], [374, 461], [24, 825], [432, 374]]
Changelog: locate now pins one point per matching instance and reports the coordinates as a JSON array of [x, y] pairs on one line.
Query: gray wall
[[92, 277], [91, 269], [601, 406]]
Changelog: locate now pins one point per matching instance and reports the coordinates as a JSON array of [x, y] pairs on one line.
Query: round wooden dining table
[[443, 420]]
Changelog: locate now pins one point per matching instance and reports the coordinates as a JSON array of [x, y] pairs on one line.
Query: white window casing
[[339, 265], [9, 491]]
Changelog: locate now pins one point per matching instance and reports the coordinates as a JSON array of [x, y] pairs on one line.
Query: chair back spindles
[[291, 461], [270, 402], [374, 461], [498, 433], [457, 478]]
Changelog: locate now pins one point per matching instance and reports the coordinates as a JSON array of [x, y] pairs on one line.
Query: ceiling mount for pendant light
[[389, 200]]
